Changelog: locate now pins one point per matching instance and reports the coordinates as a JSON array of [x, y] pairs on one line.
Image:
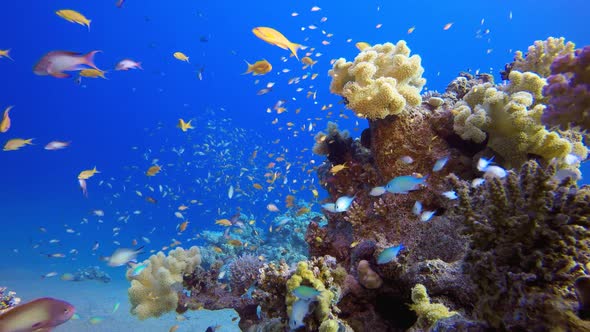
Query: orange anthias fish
[[74, 17], [153, 170], [276, 38], [87, 174], [38, 315], [55, 63], [184, 126], [17, 143], [260, 67], [5, 124]]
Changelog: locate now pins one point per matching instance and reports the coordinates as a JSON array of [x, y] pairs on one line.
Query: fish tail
[[8, 54], [293, 47], [88, 24], [89, 59], [249, 68], [139, 65]]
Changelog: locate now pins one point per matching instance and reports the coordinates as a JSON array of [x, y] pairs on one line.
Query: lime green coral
[[305, 276], [510, 119], [330, 325], [381, 81], [428, 313]]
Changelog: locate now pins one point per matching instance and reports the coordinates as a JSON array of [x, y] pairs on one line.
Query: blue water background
[[104, 119]]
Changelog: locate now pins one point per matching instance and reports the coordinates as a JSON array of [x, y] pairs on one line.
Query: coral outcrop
[[530, 241], [540, 55], [155, 290]]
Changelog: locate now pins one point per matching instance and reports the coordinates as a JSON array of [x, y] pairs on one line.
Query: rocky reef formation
[[453, 211]]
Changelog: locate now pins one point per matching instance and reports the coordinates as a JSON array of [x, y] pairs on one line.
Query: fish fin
[[249, 68], [88, 24], [89, 59], [139, 65]]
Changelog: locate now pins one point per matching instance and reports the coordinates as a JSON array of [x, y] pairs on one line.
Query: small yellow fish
[[362, 46], [223, 222], [5, 124], [153, 170], [74, 17], [260, 67], [87, 174], [308, 61], [92, 73], [17, 143], [5, 54], [276, 38], [257, 186], [337, 168], [235, 243], [184, 126], [182, 227], [181, 56], [182, 207], [410, 30]]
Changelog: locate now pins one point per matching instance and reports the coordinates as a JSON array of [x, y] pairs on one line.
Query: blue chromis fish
[[389, 254], [439, 164], [306, 293], [343, 203], [404, 184], [137, 269]]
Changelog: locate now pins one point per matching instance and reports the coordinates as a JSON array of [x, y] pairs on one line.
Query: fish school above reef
[[453, 211]]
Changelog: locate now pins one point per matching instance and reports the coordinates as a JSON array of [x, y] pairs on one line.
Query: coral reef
[[91, 273], [568, 89], [381, 81], [529, 243], [8, 300]]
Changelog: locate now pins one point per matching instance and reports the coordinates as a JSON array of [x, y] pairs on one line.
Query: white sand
[[92, 298]]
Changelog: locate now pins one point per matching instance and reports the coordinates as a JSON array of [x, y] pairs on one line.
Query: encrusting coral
[[530, 241], [155, 290], [381, 81]]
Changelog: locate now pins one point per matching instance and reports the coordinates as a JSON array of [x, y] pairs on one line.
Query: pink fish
[[127, 64], [56, 145], [55, 63], [82, 183], [38, 315]]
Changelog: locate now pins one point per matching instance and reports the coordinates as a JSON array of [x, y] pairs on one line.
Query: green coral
[[329, 325], [381, 81], [304, 275], [539, 56], [510, 119], [530, 241], [428, 313]]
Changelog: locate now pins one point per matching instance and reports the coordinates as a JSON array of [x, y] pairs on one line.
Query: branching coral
[[510, 120], [381, 81], [244, 273], [530, 240], [568, 90], [539, 56], [154, 291]]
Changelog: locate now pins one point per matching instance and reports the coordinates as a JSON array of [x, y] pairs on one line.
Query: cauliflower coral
[[381, 81]]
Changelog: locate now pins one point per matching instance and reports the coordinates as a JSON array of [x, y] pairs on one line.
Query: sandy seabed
[[96, 299]]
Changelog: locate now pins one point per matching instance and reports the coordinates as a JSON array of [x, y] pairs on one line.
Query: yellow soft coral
[[510, 119], [381, 81], [305, 276], [539, 56], [154, 291], [428, 313]]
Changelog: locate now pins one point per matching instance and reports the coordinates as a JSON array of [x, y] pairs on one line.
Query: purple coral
[[244, 272], [568, 90]]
